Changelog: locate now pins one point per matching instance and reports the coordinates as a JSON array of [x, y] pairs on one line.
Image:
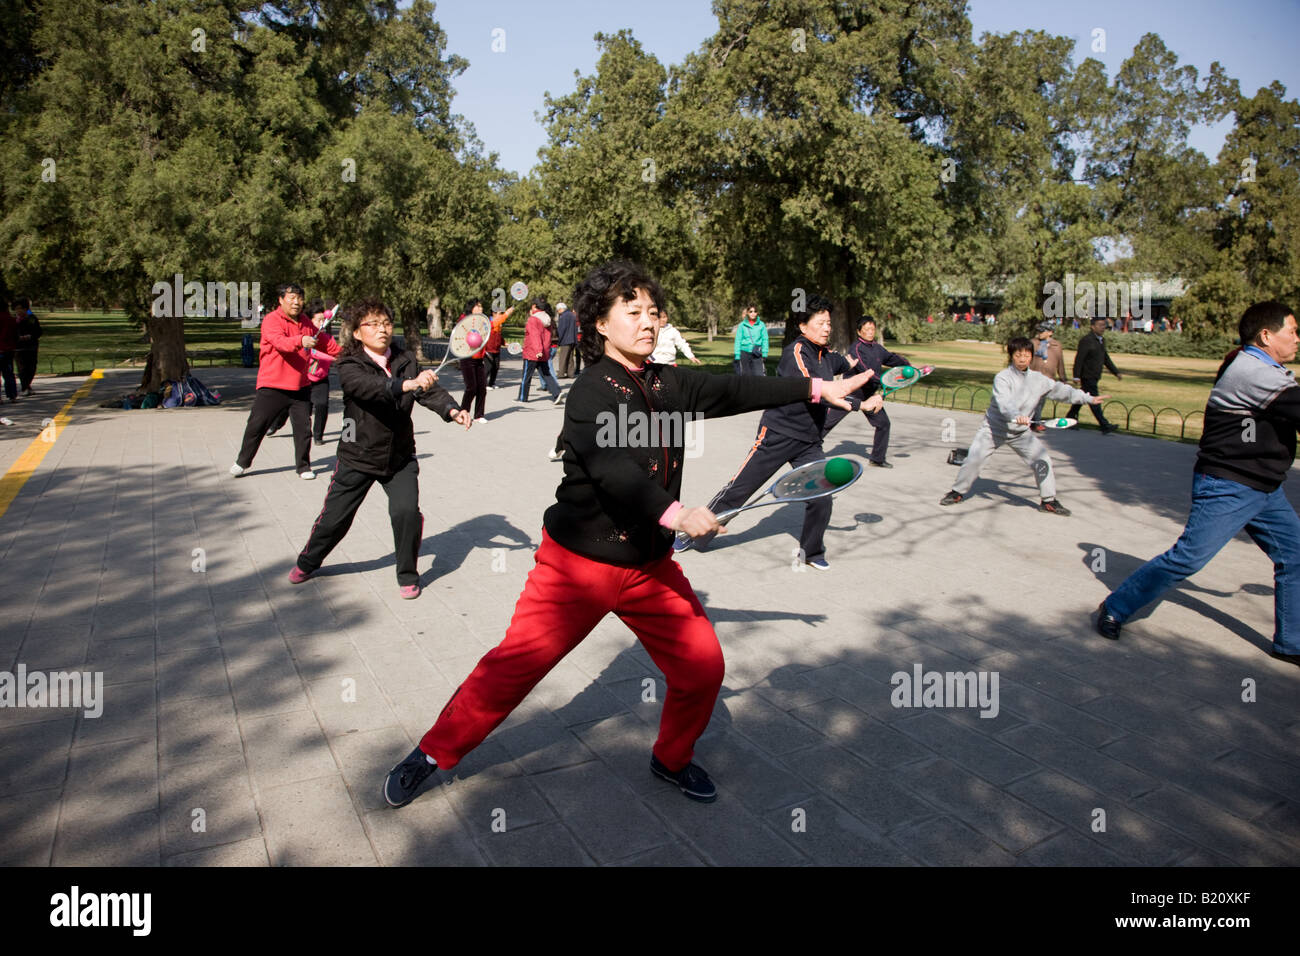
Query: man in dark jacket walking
[[566, 337], [1088, 362]]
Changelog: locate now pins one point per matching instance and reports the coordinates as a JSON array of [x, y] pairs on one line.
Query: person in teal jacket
[[751, 344]]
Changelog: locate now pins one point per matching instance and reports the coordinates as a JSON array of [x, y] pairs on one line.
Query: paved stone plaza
[[247, 721]]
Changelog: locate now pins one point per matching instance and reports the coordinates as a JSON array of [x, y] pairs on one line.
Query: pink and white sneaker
[[298, 575], [410, 592]]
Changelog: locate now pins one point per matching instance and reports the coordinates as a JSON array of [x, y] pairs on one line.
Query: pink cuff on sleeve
[[816, 390], [666, 519]]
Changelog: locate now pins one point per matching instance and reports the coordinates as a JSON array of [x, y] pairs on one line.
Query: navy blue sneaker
[[405, 779], [820, 563], [691, 780]]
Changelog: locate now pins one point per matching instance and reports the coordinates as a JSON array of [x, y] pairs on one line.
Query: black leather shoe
[[691, 780], [1107, 429], [880, 464], [1107, 626]]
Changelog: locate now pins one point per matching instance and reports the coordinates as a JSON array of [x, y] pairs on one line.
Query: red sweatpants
[[564, 597]]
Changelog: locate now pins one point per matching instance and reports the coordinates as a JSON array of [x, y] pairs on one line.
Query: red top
[[497, 339], [8, 331], [283, 362], [537, 339]]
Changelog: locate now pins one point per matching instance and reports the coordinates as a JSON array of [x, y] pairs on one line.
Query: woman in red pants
[[607, 540]]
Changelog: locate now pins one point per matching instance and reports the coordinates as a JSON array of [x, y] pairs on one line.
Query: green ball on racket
[[909, 372], [839, 471]]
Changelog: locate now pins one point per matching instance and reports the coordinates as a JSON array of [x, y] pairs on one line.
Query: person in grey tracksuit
[[1016, 393]]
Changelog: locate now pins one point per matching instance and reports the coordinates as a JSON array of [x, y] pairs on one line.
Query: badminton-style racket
[[1055, 422], [902, 376], [817, 479], [515, 348]]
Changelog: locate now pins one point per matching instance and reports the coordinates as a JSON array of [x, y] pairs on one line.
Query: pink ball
[[473, 339]]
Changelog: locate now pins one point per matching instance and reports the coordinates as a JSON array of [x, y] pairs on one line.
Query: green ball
[[839, 471], [908, 371]]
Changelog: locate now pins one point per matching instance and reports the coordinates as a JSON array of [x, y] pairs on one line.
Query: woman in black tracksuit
[[380, 389]]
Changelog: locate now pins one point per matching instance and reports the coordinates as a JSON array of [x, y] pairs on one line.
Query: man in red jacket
[[287, 336]]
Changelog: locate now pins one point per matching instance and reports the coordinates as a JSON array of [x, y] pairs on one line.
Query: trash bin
[[246, 354]]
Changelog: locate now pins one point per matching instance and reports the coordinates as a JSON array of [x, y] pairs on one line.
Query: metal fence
[[1140, 419]]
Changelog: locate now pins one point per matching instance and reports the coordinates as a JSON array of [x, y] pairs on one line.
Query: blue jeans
[[1220, 509], [544, 370]]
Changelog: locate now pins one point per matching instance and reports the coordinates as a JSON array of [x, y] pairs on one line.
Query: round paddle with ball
[[902, 376], [469, 335], [1055, 422], [817, 479]]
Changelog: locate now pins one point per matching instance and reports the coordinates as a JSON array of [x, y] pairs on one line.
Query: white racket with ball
[[903, 376], [468, 336], [817, 479]]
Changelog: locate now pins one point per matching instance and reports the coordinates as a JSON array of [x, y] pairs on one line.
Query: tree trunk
[[711, 318], [411, 318], [843, 317], [167, 336], [435, 318]]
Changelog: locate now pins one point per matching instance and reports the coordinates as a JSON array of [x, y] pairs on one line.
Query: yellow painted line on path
[[25, 466]]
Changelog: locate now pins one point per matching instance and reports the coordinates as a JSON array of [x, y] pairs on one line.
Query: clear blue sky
[[547, 40]]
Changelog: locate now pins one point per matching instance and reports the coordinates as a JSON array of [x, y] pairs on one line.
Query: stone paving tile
[[118, 778], [1011, 823], [549, 844], [988, 758], [869, 794], [1097, 770], [723, 832], [313, 824], [28, 821], [425, 832], [945, 841], [108, 840], [220, 790], [876, 742], [1216, 829], [1127, 834], [243, 853], [286, 747], [606, 818], [1214, 780], [35, 756], [827, 834], [674, 854]]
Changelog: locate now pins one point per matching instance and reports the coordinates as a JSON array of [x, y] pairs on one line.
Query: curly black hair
[[603, 286], [352, 316]]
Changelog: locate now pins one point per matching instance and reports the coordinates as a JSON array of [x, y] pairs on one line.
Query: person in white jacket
[[669, 342], [1016, 393]]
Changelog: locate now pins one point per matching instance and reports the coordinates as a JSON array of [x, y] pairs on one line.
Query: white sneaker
[[480, 421], [554, 455], [307, 475], [238, 471]]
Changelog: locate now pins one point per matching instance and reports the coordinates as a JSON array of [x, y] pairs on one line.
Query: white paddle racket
[[1055, 422], [817, 479], [902, 376]]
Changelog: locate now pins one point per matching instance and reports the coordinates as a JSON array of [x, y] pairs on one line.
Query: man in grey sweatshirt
[[1016, 393]]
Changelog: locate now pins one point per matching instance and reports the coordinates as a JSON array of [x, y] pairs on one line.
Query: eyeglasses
[[381, 324]]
